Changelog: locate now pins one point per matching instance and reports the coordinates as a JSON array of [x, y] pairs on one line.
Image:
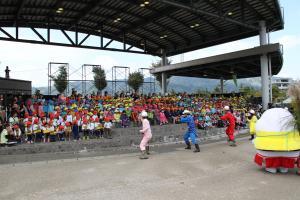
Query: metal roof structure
[[243, 64], [154, 26]]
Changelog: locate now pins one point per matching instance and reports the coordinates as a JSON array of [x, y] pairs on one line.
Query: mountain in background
[[176, 84]]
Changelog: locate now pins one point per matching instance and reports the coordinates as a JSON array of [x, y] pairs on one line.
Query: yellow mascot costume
[[278, 138]]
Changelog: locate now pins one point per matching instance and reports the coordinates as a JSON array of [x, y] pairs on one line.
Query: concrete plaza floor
[[217, 172]]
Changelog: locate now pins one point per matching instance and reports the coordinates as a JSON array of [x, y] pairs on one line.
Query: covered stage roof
[[244, 64], [177, 26]]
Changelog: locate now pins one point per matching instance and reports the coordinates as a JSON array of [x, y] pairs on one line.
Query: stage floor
[[217, 172]]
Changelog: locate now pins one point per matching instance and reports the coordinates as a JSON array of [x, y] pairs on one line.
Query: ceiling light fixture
[[59, 10], [230, 13], [146, 2], [194, 25], [117, 20]]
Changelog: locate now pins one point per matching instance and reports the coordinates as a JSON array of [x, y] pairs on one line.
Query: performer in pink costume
[[147, 135]]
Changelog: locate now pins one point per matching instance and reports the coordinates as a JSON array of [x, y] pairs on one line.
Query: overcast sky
[[30, 61]]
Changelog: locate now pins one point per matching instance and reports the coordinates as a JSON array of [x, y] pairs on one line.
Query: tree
[[217, 89], [277, 94], [158, 75], [247, 90], [203, 92], [61, 80], [37, 92], [99, 78], [294, 93], [135, 80]]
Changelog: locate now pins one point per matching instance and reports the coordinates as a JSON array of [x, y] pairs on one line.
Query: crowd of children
[[76, 117]]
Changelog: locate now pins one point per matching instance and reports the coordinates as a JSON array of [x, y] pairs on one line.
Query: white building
[[282, 83]]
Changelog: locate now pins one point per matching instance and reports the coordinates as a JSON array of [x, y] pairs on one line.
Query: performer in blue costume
[[191, 132]]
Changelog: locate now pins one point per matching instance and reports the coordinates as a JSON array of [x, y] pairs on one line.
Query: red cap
[[28, 123], [42, 114]]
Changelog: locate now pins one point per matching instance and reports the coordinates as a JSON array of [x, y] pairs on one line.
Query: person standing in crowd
[[4, 135], [252, 119], [191, 133], [107, 129], [52, 133], [91, 127], [68, 130], [37, 130], [46, 132], [17, 133], [124, 120], [162, 118], [85, 128], [75, 129], [230, 128], [98, 128], [28, 131], [147, 135]]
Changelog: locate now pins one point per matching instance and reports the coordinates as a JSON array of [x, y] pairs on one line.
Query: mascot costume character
[[278, 137]]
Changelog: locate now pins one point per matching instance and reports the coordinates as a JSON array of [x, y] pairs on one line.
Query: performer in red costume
[[230, 129]]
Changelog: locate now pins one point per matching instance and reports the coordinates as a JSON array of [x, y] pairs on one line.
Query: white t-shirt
[[13, 120], [51, 128], [36, 127], [69, 118], [17, 132], [107, 125], [91, 126]]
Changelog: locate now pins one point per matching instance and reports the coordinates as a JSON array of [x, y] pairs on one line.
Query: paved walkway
[[217, 172]]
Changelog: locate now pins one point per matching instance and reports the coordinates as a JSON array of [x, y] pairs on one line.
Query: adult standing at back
[[191, 132], [230, 128]]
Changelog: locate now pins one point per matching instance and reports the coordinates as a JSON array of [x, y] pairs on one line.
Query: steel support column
[[163, 83], [270, 78], [264, 67], [222, 84], [163, 75]]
